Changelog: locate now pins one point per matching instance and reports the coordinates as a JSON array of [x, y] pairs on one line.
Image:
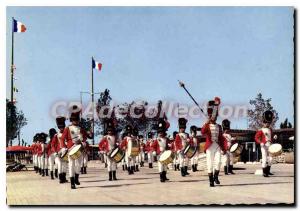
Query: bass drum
[[201, 147], [275, 150], [236, 149], [64, 156], [76, 152], [189, 151]]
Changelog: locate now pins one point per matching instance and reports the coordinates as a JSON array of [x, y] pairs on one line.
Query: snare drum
[[236, 149], [76, 152], [117, 155], [189, 151], [133, 148], [64, 156], [167, 157], [275, 150]]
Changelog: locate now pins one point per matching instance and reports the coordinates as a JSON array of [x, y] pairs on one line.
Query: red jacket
[[221, 140], [39, 149], [104, 144], [178, 142], [33, 148], [261, 138], [54, 144], [67, 138], [156, 146], [149, 146]]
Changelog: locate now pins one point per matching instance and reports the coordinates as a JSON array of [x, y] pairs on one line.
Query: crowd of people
[[67, 148]]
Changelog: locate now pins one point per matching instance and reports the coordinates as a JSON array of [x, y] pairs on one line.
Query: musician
[[182, 140], [215, 142], [34, 153], [264, 137], [39, 153], [72, 136], [135, 135], [85, 157], [42, 153], [228, 156], [173, 149], [195, 142], [130, 160], [141, 157], [107, 144], [52, 152], [160, 145], [149, 149]]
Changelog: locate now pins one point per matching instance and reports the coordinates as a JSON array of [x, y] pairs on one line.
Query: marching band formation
[[67, 148]]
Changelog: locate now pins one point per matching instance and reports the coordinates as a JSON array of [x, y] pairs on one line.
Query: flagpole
[[93, 122], [12, 63]]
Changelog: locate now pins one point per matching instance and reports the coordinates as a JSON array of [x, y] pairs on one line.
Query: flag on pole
[[96, 65], [18, 26]]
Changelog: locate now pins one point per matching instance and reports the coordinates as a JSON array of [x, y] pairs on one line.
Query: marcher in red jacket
[[215, 144]]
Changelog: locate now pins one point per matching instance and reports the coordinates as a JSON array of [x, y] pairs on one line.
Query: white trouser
[[105, 158], [176, 160], [84, 160], [266, 158], [141, 157], [74, 166], [213, 157], [131, 160], [227, 159], [194, 160], [42, 161], [51, 160], [111, 165], [61, 165], [161, 167], [183, 161], [150, 157], [34, 161]]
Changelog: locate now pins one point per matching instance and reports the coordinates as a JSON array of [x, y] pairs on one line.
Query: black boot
[[129, 171], [60, 176], [196, 167], [193, 168], [150, 165], [110, 176], [178, 167], [114, 175], [162, 179], [230, 169], [269, 168], [225, 170], [132, 169], [142, 164], [216, 175], [211, 180], [84, 170], [43, 172], [123, 167], [137, 168], [51, 174], [165, 175], [56, 173], [265, 172], [182, 171], [126, 168], [64, 174], [81, 170], [186, 170], [40, 171], [47, 173], [105, 165], [77, 179], [72, 183]]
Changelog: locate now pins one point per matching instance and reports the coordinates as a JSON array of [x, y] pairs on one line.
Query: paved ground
[[28, 188]]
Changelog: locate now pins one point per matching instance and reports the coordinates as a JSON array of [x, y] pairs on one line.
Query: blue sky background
[[231, 52]]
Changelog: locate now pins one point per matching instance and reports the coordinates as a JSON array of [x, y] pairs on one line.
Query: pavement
[[144, 188]]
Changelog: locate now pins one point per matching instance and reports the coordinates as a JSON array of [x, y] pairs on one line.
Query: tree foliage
[[259, 106], [285, 124], [15, 120]]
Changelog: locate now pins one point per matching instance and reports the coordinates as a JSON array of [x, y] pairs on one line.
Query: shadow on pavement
[[246, 184], [110, 186]]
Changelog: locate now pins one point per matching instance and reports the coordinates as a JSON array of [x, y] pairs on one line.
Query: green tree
[[15, 120], [285, 124], [259, 106]]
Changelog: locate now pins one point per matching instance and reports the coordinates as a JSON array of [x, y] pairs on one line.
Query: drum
[[133, 148], [76, 152], [64, 156], [236, 149], [189, 151], [117, 155], [201, 147], [275, 150], [167, 157]]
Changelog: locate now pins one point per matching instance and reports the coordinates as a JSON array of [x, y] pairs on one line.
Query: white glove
[[262, 144], [64, 150]]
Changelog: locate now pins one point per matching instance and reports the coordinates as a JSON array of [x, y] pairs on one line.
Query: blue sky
[[232, 52]]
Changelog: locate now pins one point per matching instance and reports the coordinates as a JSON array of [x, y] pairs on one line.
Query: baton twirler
[[181, 84]]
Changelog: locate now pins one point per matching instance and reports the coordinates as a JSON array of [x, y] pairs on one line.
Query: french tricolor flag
[[18, 26], [96, 65]]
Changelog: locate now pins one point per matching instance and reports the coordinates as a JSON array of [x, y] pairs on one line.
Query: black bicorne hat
[[174, 134], [193, 128], [52, 132], [75, 113], [226, 124], [60, 122], [268, 116], [161, 126]]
